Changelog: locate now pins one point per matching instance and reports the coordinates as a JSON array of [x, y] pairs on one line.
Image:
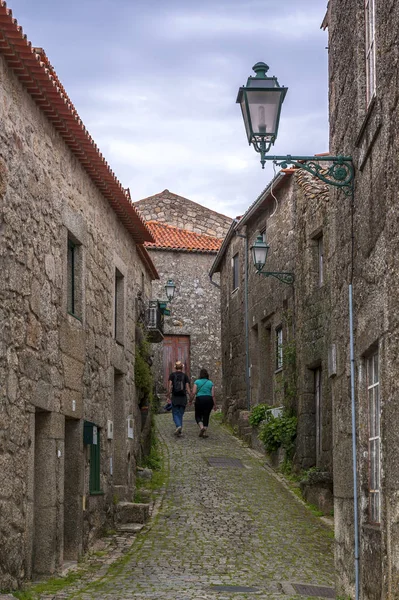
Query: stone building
[[72, 262], [287, 324], [187, 238], [364, 241]]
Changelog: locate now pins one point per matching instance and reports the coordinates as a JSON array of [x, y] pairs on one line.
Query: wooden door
[[175, 347]]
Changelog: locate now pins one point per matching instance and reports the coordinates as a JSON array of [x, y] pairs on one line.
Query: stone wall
[[57, 370], [312, 322], [367, 253], [269, 303], [175, 210], [292, 228], [195, 312]]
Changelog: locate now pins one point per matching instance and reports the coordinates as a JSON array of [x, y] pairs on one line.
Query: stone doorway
[[175, 347], [46, 555], [73, 479]]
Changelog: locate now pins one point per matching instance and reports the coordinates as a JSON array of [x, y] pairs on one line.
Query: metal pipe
[[354, 459], [247, 365], [213, 282], [326, 158]]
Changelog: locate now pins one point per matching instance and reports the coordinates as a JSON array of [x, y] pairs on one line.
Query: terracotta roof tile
[[312, 186], [175, 238], [33, 69]]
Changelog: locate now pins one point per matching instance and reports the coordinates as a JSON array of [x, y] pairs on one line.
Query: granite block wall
[[292, 227], [364, 237], [172, 209], [57, 370]]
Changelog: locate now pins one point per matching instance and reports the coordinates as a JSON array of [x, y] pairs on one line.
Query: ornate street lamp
[[259, 255], [260, 102], [170, 289]]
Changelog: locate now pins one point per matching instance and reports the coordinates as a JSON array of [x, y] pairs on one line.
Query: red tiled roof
[[34, 71], [174, 238]]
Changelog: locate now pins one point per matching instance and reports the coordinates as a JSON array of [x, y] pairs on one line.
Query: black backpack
[[178, 384]]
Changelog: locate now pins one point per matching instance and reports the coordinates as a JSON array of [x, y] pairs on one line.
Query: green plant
[[142, 371], [277, 432], [258, 414], [285, 389], [154, 459], [50, 586]]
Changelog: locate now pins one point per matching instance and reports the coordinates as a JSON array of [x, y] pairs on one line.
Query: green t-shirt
[[204, 387]]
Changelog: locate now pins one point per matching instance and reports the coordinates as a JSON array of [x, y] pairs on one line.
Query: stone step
[[132, 512], [130, 527]]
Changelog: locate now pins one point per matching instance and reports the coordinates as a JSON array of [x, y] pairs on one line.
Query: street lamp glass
[[259, 253], [170, 289], [260, 102]]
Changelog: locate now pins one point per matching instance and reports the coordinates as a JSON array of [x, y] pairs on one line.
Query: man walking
[[178, 388]]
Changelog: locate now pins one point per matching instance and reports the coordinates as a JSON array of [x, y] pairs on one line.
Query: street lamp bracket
[[339, 173]]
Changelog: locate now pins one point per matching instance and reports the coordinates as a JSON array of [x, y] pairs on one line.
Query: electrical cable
[[271, 191]]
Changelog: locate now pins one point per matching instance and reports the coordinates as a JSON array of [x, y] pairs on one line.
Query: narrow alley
[[229, 531]]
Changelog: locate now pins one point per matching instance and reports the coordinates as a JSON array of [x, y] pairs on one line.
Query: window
[[370, 49], [373, 389], [234, 265], [318, 412], [119, 316], [320, 260], [95, 479], [279, 348], [91, 438], [74, 278]]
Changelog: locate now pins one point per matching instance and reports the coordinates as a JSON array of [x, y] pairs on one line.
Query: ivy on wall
[[142, 370]]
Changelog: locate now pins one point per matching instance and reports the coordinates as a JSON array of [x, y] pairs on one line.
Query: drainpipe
[[355, 498], [353, 404], [213, 282], [246, 325]]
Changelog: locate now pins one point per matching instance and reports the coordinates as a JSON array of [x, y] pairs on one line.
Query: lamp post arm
[[282, 276], [339, 173]]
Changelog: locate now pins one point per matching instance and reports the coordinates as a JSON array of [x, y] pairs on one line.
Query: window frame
[[74, 286], [320, 259], [235, 272], [374, 437], [318, 391], [91, 438], [119, 307], [370, 53], [279, 348]]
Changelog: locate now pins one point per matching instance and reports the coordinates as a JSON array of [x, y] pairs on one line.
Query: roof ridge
[[182, 198]]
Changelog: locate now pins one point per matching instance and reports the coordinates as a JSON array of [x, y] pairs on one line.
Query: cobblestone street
[[220, 526]]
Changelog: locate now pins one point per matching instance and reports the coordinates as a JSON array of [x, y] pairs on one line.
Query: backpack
[[178, 384]]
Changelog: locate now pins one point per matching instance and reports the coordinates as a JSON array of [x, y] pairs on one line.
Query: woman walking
[[204, 393]]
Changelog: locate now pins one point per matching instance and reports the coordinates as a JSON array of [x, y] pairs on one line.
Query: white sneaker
[[178, 431]]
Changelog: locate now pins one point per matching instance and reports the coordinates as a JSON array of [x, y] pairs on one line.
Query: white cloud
[[293, 25]]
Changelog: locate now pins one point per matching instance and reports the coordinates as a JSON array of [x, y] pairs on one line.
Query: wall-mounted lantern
[[170, 289], [259, 252]]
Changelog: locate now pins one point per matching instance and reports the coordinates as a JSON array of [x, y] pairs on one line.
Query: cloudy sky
[[155, 82]]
